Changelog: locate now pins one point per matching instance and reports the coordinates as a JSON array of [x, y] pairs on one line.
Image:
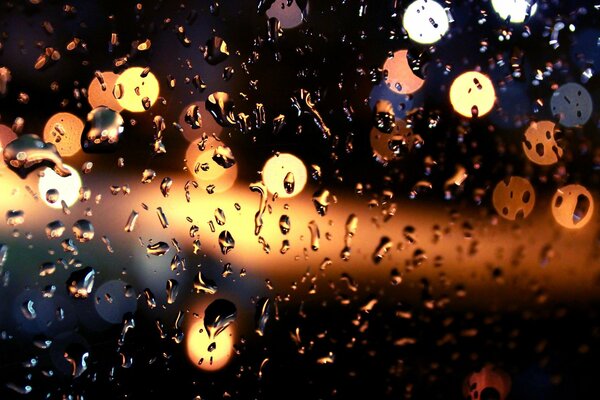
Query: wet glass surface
[[308, 199]]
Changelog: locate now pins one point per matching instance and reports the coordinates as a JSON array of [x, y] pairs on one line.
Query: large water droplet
[[215, 50], [102, 131], [81, 282], [222, 108], [28, 152], [223, 156], [205, 285], [219, 315], [157, 249], [226, 242], [83, 230]]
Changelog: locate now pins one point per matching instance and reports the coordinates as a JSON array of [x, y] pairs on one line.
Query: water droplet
[[47, 268], [220, 216], [102, 130], [150, 299], [28, 310], [15, 217], [83, 230], [381, 250], [351, 226], [162, 217], [215, 50], [218, 316], [130, 226], [157, 249], [285, 246], [81, 283], [315, 235], [128, 324], [205, 285], [261, 189], [77, 356], [172, 290], [165, 186], [289, 183], [28, 152], [223, 157], [193, 117], [148, 175], [322, 198], [284, 224], [222, 108], [263, 313], [226, 242]]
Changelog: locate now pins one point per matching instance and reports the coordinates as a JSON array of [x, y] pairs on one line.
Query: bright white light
[[68, 186], [515, 10], [282, 166], [425, 21]]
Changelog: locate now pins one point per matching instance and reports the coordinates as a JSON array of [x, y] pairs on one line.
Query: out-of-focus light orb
[[6, 136], [201, 165], [514, 198], [572, 206], [540, 144], [64, 131], [425, 21], [472, 94], [400, 77], [573, 104], [98, 96], [136, 91], [284, 174], [67, 187], [516, 11], [113, 299], [287, 12], [209, 125], [197, 344]]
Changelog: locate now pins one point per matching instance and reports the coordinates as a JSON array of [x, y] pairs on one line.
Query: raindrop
[[102, 130], [55, 229], [314, 235], [381, 250], [81, 282], [165, 186], [83, 230], [218, 316], [289, 183], [223, 157], [157, 249], [263, 313], [226, 242], [172, 290], [261, 189], [215, 50], [28, 152], [204, 285]]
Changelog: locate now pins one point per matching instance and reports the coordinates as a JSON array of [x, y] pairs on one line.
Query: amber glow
[[572, 206], [64, 131], [201, 165], [209, 125], [514, 198], [134, 88], [197, 344], [276, 170], [68, 186], [472, 94], [400, 78], [99, 96]]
